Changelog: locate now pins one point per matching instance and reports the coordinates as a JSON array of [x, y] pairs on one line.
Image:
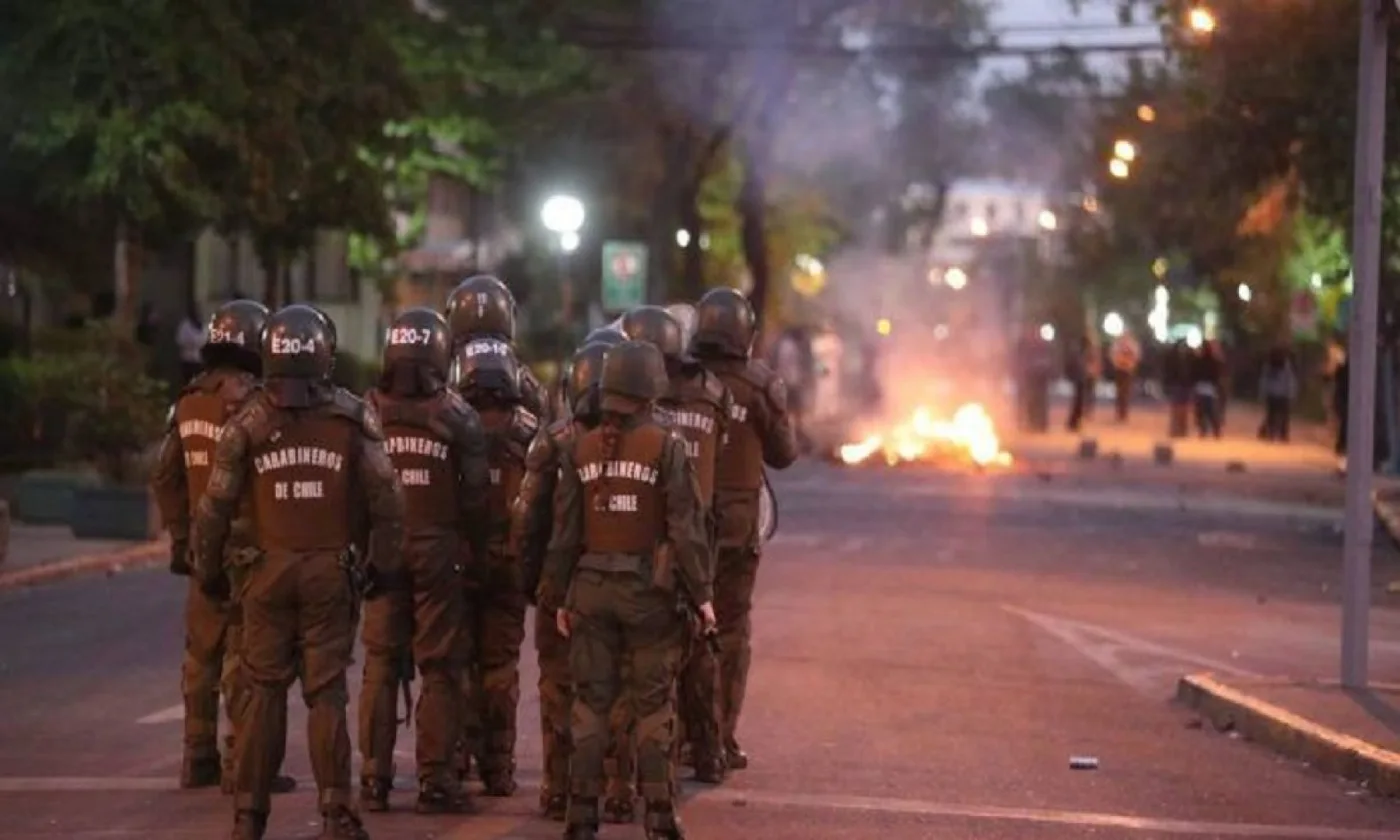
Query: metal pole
[[1361, 354]]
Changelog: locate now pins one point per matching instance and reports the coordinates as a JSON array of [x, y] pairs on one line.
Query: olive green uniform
[[760, 432], [495, 608], [182, 470], [531, 523], [438, 448], [625, 494], [316, 479]]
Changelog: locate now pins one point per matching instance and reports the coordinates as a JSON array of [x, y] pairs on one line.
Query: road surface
[[931, 652]]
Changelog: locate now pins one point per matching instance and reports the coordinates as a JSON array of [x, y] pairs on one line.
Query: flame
[[969, 434]]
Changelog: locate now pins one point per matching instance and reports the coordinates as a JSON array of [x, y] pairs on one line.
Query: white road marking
[[1082, 819], [721, 796], [169, 715], [1116, 653]]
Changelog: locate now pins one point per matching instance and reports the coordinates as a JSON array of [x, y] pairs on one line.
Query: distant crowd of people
[[1194, 381]]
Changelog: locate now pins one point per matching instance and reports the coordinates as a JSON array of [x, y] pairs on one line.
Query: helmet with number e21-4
[[234, 336]]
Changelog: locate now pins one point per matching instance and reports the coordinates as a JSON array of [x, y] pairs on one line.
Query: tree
[[107, 106], [322, 96]]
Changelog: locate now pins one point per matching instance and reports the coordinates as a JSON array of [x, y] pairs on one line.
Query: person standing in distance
[[698, 406], [482, 308], [213, 626], [437, 446], [489, 379], [761, 432], [532, 518], [628, 533], [308, 459]]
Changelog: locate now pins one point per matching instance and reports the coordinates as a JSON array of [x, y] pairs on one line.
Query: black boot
[[249, 825], [434, 798], [374, 794], [619, 810], [340, 823], [663, 824], [201, 772]]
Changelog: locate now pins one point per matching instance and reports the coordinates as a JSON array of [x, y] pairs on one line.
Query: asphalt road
[[931, 652]]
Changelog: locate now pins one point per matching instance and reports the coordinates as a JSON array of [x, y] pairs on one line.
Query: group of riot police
[[431, 514]]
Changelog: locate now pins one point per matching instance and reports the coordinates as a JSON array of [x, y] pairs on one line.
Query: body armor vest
[[205, 406], [301, 484], [505, 455], [741, 460], [419, 445], [624, 503], [694, 413]]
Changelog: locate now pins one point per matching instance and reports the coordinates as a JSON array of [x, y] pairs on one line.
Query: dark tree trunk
[[693, 259], [753, 230]]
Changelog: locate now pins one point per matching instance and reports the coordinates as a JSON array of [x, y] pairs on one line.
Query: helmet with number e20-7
[[725, 325], [298, 344], [481, 307], [419, 337], [234, 336]]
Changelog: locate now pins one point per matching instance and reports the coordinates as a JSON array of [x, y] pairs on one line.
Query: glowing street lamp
[[1118, 168], [1113, 324], [980, 227], [1201, 20], [1125, 151], [1047, 220], [1147, 113], [562, 214], [955, 277], [1245, 292]]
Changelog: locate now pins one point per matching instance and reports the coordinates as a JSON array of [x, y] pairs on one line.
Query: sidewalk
[[1352, 734], [1135, 441], [44, 553]]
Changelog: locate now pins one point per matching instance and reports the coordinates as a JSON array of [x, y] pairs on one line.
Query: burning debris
[[969, 436]]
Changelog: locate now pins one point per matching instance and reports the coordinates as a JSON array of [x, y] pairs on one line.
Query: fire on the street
[[969, 436]]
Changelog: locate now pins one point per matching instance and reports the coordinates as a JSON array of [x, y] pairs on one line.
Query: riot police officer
[[627, 540], [698, 406], [761, 432], [309, 460], [531, 521], [437, 446], [489, 378], [212, 625], [482, 308]]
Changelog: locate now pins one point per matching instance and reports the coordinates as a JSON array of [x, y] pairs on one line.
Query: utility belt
[[615, 562]]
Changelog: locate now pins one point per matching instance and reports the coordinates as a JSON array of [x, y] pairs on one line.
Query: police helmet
[[487, 366], [585, 372], [655, 325], [298, 343], [634, 372], [234, 335], [684, 313], [609, 336], [725, 325], [419, 337], [481, 307]]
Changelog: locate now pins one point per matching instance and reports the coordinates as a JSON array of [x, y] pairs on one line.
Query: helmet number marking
[[218, 336], [283, 346], [410, 335], [481, 300]]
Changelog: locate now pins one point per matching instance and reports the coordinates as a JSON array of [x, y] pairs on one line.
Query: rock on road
[[931, 650]]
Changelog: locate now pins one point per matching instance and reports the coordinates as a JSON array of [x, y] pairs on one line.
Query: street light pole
[[1361, 354]]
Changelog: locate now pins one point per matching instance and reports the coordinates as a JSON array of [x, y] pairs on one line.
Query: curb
[[1292, 735], [1386, 503], [137, 557]]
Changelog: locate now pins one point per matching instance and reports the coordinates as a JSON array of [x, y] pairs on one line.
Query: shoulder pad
[[237, 388], [777, 392], [714, 387], [560, 430], [356, 410], [524, 424], [255, 418], [542, 452], [759, 373]]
